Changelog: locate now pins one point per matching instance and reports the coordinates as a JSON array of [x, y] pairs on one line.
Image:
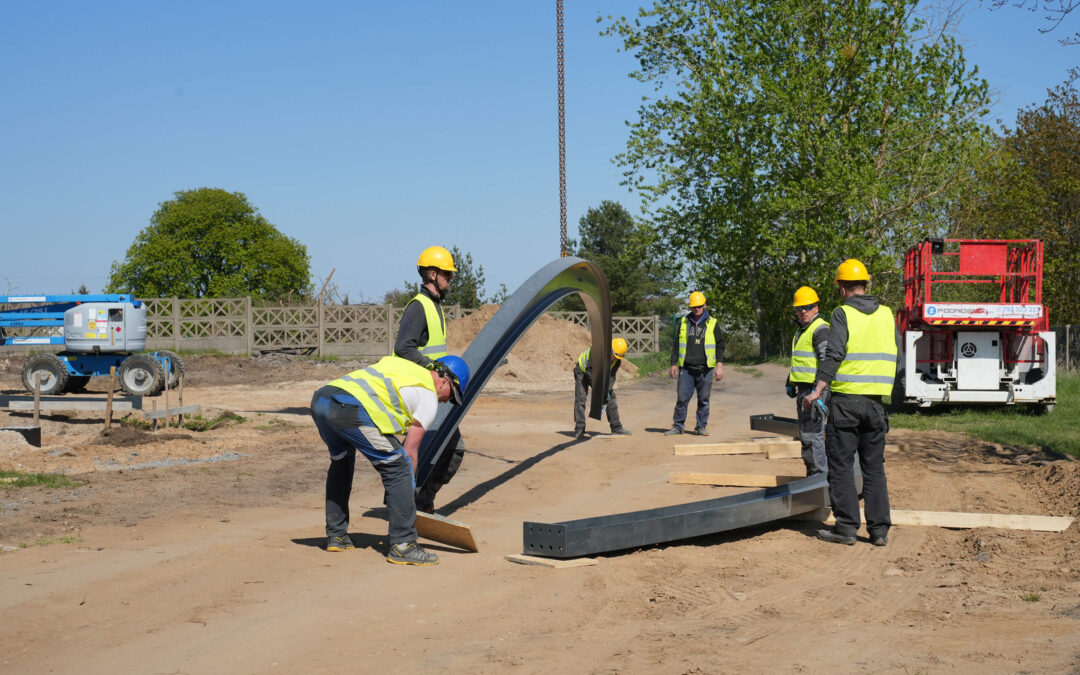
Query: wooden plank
[[965, 521], [786, 453], [735, 448], [556, 563], [158, 414], [731, 479], [445, 531], [796, 452]]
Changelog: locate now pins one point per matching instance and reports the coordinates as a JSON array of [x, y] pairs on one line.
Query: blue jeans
[[346, 427], [688, 384]]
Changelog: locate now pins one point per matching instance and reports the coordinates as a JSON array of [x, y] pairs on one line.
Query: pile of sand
[[542, 360]]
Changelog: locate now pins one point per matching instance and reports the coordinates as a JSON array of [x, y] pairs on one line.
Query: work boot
[[579, 433], [673, 431], [834, 537], [337, 543], [425, 504], [411, 553], [700, 431], [621, 431], [879, 541]]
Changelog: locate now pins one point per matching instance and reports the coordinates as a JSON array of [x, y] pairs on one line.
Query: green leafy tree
[[1029, 188], [467, 290], [209, 243], [641, 277], [788, 135]]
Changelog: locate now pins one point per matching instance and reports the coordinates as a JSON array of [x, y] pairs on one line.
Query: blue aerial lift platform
[[97, 332]]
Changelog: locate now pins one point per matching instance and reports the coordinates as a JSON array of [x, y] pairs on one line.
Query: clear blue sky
[[365, 130]]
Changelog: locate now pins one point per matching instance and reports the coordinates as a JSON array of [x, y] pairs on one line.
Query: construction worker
[[807, 348], [860, 366], [583, 380], [421, 338], [697, 355], [363, 411]]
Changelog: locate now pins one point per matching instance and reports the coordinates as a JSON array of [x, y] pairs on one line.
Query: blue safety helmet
[[457, 370]]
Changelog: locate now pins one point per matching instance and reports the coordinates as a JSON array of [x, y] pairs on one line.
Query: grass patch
[[749, 370], [1009, 425], [275, 424], [197, 422], [652, 362], [14, 479], [1031, 597]]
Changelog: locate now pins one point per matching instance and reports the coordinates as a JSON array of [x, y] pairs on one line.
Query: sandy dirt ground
[[200, 552]]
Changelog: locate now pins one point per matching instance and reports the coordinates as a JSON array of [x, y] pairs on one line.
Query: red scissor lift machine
[[974, 327]]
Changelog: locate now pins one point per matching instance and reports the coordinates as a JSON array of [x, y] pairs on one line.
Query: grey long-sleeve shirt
[[413, 332]]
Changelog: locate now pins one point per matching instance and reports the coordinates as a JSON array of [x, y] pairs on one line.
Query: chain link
[[564, 242]]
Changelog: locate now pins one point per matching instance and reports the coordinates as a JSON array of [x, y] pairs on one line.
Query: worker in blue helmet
[[366, 410]]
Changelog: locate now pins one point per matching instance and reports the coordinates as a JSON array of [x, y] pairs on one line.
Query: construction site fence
[[1068, 347], [237, 325]]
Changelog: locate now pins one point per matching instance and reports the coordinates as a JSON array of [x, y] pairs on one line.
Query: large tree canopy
[[788, 135], [209, 243], [1029, 188]]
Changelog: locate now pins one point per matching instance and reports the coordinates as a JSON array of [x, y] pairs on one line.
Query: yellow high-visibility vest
[[583, 360], [710, 342], [378, 386], [435, 347], [803, 356], [870, 364]]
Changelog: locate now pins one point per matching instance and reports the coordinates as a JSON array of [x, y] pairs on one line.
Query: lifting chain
[[564, 244]]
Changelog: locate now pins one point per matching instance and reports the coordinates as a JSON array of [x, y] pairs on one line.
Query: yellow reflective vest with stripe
[[435, 348], [870, 363], [710, 342], [803, 356], [378, 389]]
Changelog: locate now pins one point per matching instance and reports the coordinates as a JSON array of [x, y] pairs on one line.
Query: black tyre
[[177, 370], [142, 375], [53, 371], [77, 382]]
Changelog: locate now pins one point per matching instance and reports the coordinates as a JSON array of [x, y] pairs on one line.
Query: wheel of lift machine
[[77, 383], [142, 375], [177, 370], [54, 374]]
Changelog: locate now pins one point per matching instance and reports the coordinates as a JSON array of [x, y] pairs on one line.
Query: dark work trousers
[[345, 428], [858, 424], [445, 468], [812, 431], [581, 396], [689, 382]]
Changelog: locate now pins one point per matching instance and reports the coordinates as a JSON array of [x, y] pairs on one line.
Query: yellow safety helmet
[[697, 299], [436, 256], [805, 296], [619, 347], [852, 270]]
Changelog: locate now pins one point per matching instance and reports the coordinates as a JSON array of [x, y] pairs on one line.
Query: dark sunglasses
[[449, 275], [805, 308]]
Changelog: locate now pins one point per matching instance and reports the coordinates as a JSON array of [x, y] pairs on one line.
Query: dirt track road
[[216, 566]]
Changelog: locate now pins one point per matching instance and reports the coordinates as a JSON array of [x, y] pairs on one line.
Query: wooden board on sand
[[731, 479], [736, 447], [963, 521], [557, 563], [445, 531]]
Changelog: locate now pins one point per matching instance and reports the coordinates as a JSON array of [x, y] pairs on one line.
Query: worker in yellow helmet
[[697, 357], [583, 380], [421, 338], [860, 366], [807, 348], [366, 410]]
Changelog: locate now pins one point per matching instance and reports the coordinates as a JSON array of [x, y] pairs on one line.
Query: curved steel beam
[[587, 536], [555, 280]]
